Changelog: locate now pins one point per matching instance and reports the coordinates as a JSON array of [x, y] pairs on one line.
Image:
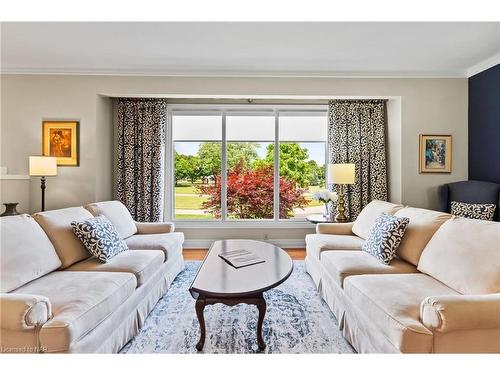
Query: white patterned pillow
[[385, 236], [100, 237], [481, 211]]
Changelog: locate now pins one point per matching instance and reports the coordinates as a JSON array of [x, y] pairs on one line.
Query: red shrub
[[250, 194]]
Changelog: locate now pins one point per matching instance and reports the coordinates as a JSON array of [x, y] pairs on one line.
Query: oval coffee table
[[219, 282]]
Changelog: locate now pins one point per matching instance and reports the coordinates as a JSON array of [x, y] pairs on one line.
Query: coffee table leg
[[261, 306], [200, 306]]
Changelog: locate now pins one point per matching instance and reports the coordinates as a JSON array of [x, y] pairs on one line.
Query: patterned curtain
[[356, 134], [140, 157]]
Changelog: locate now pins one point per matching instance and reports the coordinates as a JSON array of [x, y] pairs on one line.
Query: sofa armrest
[[334, 228], [461, 312], [443, 198], [154, 228], [23, 311]]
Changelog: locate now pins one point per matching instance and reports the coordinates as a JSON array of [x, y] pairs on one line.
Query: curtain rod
[[251, 101], [228, 101], [358, 100]]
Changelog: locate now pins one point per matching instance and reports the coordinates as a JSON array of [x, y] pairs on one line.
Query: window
[[197, 166], [302, 156], [249, 162], [250, 166]]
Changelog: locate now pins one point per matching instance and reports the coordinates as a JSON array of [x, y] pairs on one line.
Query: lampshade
[[341, 173], [43, 166]]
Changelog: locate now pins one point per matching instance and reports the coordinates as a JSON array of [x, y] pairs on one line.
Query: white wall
[[436, 106], [394, 150]]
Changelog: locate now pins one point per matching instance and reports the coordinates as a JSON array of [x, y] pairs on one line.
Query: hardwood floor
[[194, 254], [199, 254], [296, 254]]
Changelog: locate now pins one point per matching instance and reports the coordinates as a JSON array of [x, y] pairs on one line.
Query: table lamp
[[43, 166], [341, 174]]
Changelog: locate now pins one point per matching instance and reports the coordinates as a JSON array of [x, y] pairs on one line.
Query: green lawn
[[188, 217], [314, 189], [310, 192], [193, 201], [185, 189], [189, 202], [313, 203]]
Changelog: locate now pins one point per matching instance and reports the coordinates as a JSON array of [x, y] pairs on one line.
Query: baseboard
[[205, 244]]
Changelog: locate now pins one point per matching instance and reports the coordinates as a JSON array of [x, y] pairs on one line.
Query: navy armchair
[[469, 192]]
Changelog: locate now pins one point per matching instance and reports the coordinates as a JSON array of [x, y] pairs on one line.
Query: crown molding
[[483, 65], [229, 74]]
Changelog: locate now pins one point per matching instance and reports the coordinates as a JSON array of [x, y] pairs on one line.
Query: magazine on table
[[241, 258]]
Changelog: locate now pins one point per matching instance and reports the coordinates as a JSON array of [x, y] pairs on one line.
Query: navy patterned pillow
[[385, 236], [480, 211], [100, 237]]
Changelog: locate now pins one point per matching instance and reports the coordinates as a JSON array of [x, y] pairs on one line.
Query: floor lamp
[[43, 166], [341, 174]]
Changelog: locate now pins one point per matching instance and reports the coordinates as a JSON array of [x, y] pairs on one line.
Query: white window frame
[[224, 110]]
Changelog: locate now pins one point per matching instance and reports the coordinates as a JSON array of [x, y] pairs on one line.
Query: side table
[[316, 219]]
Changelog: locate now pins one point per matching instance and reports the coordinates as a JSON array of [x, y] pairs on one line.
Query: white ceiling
[[276, 49]]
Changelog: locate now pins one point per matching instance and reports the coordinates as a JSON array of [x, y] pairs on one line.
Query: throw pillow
[[481, 211], [100, 237], [385, 236]]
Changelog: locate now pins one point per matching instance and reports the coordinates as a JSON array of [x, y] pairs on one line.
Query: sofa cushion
[[342, 264], [392, 303], [369, 214], [80, 301], [117, 213], [317, 243], [423, 224], [465, 255], [26, 252], [57, 225], [100, 237], [385, 237], [480, 211], [169, 243], [143, 264]]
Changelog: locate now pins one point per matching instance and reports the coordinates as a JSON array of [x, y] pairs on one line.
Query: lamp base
[[340, 217], [42, 187], [10, 209]]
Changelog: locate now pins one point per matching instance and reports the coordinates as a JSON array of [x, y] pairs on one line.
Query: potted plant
[[326, 196]]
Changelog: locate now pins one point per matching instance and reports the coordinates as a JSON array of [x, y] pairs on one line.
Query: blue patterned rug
[[297, 321]]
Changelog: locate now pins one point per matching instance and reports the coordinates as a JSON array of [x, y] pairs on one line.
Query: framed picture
[[60, 139], [435, 153]]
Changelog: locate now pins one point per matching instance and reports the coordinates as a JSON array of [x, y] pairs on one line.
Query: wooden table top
[[217, 278]]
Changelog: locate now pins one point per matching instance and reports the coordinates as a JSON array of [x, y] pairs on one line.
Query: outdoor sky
[[316, 150]]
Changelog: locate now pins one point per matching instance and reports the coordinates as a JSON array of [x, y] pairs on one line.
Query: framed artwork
[[61, 139], [435, 153]]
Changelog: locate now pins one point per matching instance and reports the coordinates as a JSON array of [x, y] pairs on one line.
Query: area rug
[[297, 321]]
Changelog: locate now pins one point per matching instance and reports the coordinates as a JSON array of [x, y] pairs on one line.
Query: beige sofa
[[440, 295], [56, 298]]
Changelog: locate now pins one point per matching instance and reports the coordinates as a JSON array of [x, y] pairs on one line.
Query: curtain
[[140, 156], [357, 134]]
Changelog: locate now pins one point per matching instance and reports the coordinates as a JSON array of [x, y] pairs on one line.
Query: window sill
[[248, 224]]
